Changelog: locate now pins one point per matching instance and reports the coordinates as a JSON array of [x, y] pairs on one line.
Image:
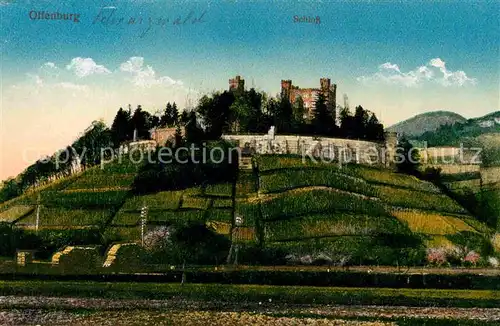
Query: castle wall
[[329, 149]]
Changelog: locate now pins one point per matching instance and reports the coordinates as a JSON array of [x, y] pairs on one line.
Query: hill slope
[[426, 122], [296, 209], [463, 132]]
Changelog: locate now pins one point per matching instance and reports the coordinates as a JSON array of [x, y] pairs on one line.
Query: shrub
[[472, 241], [495, 242], [53, 240], [78, 259], [191, 243], [158, 239], [125, 257], [432, 174], [471, 259], [493, 261], [436, 256]]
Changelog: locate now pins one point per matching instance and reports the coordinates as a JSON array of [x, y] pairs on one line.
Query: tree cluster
[[250, 111]]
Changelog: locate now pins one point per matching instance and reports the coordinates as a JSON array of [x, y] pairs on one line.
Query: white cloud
[[145, 76], [72, 86], [40, 83], [434, 71], [49, 65], [86, 66]]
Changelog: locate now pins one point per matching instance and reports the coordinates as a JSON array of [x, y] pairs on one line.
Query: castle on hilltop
[[293, 93]]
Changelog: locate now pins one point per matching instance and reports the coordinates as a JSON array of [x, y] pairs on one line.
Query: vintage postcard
[[238, 162]]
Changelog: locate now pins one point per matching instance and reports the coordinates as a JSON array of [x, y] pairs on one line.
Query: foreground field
[[42, 310], [251, 294]]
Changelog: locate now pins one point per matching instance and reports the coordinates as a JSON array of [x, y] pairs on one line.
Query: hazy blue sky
[[396, 58]]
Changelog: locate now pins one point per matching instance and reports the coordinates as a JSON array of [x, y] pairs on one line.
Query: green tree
[[141, 122], [360, 122], [170, 116], [298, 114], [194, 243], [120, 129], [282, 114], [374, 129], [346, 123], [184, 118], [179, 140], [194, 133], [95, 138], [10, 189], [323, 122], [215, 113], [241, 111]]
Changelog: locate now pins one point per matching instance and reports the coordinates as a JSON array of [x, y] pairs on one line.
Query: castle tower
[[236, 83], [325, 84], [286, 89]]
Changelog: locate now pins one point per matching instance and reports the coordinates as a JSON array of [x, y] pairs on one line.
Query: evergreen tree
[[154, 121], [323, 121], [360, 122], [194, 133], [256, 122], [346, 123], [120, 129], [141, 122], [178, 136], [184, 118], [298, 114], [164, 117], [170, 117], [174, 116], [374, 129], [284, 117]]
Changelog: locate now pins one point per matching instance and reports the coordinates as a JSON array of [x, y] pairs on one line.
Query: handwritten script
[[108, 16]]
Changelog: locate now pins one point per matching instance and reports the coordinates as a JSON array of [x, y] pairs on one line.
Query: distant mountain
[[426, 122], [467, 132]]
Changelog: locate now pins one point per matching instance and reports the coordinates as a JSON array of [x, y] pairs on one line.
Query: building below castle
[[166, 134]]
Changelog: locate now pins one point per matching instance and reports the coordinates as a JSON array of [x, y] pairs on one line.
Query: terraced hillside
[[303, 210], [85, 200], [322, 210]]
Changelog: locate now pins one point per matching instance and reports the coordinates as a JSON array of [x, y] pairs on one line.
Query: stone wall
[[454, 168], [490, 175], [330, 149]]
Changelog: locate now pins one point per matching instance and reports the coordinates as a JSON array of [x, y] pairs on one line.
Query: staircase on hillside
[[111, 255], [57, 256]]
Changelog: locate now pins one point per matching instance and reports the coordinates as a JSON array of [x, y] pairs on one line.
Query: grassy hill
[[300, 211], [466, 132]]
